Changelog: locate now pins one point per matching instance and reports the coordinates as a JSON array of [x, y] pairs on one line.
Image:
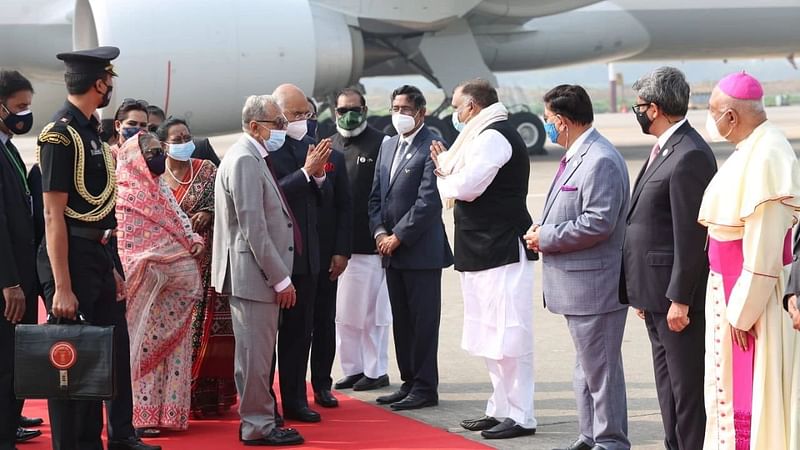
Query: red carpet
[[353, 425]]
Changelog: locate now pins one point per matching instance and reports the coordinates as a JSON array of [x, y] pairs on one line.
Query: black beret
[[91, 61]]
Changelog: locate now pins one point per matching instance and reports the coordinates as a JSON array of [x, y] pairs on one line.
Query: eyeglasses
[[640, 107], [152, 152], [280, 122], [342, 111], [407, 110], [180, 139], [294, 115]]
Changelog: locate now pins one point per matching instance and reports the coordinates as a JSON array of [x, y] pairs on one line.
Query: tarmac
[[464, 381]]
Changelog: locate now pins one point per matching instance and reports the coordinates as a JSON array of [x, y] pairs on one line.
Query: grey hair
[[667, 88], [256, 107]]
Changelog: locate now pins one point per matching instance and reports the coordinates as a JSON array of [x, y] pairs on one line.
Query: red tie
[[653, 155], [298, 238]]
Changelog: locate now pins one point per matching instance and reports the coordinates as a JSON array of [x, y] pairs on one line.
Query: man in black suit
[[790, 300], [665, 267], [406, 220], [335, 243], [299, 166], [17, 250]]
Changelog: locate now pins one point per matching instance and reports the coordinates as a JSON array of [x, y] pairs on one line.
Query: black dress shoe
[[26, 435], [325, 399], [506, 430], [131, 444], [348, 381], [484, 423], [413, 401], [28, 422], [579, 445], [304, 414], [278, 436], [394, 397], [367, 384]]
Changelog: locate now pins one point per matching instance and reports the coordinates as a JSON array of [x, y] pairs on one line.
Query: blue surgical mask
[[276, 140], [128, 132], [457, 124], [552, 132], [181, 152]]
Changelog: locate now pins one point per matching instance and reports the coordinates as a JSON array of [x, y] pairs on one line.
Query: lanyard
[[19, 168]]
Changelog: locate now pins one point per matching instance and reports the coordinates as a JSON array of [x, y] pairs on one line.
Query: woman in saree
[[192, 183], [159, 252]]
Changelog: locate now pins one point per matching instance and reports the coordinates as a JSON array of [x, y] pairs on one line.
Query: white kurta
[[753, 199], [363, 316]]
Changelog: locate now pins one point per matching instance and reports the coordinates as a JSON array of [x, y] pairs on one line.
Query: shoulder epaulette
[[55, 133]]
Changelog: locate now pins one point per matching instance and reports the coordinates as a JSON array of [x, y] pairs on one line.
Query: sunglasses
[[152, 152], [343, 111], [133, 101]]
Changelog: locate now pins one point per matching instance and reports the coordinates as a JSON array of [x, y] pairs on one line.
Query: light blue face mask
[[181, 152], [276, 140], [552, 132], [457, 124]]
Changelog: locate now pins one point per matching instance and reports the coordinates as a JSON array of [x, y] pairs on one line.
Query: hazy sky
[[596, 75]]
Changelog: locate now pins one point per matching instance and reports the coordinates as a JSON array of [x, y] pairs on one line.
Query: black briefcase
[[64, 361]]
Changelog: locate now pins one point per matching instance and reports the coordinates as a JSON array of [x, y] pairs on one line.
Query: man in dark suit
[[790, 299], [299, 166], [406, 220], [17, 250], [335, 243], [665, 268]]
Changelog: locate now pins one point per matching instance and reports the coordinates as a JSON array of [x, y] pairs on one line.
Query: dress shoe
[[394, 397], [484, 423], [348, 381], [325, 399], [580, 445], [304, 414], [413, 401], [28, 422], [507, 429], [278, 419], [367, 384], [278, 436], [131, 444], [26, 435]]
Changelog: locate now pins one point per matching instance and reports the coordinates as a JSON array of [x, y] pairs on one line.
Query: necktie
[[562, 165], [298, 238], [653, 155], [398, 157]]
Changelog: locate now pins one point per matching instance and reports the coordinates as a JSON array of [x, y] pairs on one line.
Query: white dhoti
[[498, 326], [363, 316]]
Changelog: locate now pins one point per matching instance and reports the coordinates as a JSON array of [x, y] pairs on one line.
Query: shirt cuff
[[308, 178], [320, 180], [379, 231], [283, 284]]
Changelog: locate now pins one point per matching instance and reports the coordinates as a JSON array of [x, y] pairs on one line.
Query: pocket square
[[569, 188]]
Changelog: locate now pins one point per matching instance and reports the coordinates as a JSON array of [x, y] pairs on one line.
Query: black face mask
[[18, 123], [644, 121], [157, 164], [106, 96]]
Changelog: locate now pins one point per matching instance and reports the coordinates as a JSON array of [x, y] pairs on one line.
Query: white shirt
[[662, 140], [4, 138], [484, 157], [578, 142], [262, 150], [408, 140]]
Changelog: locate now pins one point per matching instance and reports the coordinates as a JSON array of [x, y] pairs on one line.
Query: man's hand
[[639, 312], [201, 221], [378, 242], [437, 148], [532, 238], [287, 297], [197, 249], [677, 316], [317, 158], [338, 264], [388, 245], [65, 304], [794, 312], [740, 336], [15, 304]]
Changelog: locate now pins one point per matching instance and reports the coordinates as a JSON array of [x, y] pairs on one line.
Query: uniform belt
[[92, 234]]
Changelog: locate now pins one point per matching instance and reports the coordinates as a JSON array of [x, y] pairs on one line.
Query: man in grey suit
[[580, 239], [254, 242]]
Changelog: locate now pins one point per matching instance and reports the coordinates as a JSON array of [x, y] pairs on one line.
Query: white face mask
[[297, 129], [711, 128], [403, 123]]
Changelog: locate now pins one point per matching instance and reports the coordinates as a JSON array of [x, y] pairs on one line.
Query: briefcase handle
[[53, 320]]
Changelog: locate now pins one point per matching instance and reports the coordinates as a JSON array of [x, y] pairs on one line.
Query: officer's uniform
[[74, 160]]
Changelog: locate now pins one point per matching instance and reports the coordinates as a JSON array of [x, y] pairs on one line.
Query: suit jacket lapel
[[9, 153], [572, 166], [272, 181], [647, 173], [410, 152]]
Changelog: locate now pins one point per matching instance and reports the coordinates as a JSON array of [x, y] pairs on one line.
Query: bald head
[[292, 101], [735, 118]]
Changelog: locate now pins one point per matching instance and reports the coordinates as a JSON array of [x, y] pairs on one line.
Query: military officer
[[78, 264]]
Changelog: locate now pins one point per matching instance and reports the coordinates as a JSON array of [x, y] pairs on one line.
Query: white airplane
[[200, 59]]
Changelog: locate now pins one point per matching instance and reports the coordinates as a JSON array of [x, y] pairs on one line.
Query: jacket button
[[291, 249], [290, 224]]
